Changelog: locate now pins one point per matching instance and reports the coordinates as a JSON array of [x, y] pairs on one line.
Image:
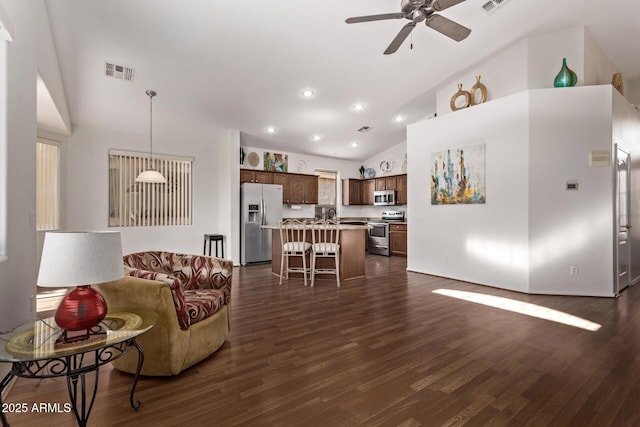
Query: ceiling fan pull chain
[[411, 46]]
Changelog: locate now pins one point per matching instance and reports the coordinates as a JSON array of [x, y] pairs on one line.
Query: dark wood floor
[[385, 350]]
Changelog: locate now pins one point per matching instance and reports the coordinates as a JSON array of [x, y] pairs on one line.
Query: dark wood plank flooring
[[385, 351]]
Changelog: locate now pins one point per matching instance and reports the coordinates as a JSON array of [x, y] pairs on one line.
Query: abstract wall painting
[[458, 176], [275, 162]]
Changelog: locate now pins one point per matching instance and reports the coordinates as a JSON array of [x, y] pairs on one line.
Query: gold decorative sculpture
[[483, 91], [616, 81], [459, 93]]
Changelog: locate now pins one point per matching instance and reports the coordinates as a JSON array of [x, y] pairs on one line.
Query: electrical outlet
[[573, 270]]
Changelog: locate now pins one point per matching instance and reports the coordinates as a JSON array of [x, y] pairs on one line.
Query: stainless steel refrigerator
[[260, 204]]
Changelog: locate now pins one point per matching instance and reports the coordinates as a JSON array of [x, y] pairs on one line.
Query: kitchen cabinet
[[261, 177], [398, 239], [352, 191], [282, 179], [401, 189], [310, 189], [386, 183], [297, 189], [301, 189], [368, 187]]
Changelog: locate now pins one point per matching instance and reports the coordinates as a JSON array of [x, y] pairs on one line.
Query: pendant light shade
[[151, 176]]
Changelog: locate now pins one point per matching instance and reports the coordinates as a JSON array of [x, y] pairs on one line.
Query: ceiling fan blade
[[369, 18], [448, 27], [402, 35], [439, 5]]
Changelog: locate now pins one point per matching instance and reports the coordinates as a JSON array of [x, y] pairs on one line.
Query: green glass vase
[[566, 77]]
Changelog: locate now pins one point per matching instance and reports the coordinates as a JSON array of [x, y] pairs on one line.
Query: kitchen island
[[352, 241]]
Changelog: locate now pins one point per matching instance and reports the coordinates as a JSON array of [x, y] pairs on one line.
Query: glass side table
[[34, 352]]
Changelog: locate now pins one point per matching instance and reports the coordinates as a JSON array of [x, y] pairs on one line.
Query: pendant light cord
[[151, 95]]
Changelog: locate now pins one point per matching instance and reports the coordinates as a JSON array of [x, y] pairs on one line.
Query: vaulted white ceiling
[[241, 65]]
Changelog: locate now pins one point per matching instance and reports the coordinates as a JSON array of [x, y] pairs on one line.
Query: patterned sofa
[[192, 296]]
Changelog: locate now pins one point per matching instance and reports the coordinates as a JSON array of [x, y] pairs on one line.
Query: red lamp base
[[81, 310]]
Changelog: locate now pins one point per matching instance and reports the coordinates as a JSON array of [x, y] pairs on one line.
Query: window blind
[[134, 204], [47, 186]]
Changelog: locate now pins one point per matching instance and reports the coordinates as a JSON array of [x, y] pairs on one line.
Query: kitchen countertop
[[308, 227]]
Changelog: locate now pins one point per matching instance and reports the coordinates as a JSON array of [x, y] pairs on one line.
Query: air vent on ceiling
[[364, 129], [493, 5], [121, 72]]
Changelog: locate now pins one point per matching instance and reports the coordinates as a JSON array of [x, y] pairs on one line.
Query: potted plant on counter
[[361, 172]]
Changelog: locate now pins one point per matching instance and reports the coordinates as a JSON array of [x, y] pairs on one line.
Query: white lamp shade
[[151, 176], [80, 258]]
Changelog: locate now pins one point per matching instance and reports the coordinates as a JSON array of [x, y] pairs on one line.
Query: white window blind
[[134, 204], [47, 185]]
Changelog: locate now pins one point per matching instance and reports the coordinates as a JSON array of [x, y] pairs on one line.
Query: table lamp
[[80, 259]]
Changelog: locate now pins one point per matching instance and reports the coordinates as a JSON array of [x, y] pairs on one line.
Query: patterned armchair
[[191, 294]]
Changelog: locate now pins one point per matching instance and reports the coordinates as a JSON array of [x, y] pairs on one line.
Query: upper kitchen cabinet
[[282, 179], [261, 177], [401, 189], [300, 189], [386, 183], [368, 188], [297, 189], [352, 192]]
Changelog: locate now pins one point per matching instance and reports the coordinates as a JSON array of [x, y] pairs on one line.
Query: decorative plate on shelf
[[369, 173], [385, 166], [253, 158]]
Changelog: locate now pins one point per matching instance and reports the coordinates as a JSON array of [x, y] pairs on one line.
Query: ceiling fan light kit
[[418, 11]]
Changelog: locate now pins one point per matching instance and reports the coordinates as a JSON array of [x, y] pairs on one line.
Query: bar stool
[[326, 235], [294, 244], [213, 238]]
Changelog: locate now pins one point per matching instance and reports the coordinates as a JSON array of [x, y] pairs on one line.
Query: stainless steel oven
[[384, 197], [378, 242], [378, 239]]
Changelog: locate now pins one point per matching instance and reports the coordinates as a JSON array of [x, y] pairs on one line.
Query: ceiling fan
[[417, 11]]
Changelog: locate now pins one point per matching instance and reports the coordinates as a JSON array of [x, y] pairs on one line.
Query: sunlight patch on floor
[[521, 307]]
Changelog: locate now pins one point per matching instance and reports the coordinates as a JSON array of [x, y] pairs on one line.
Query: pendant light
[[151, 175]]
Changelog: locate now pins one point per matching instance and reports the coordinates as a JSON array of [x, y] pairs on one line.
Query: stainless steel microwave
[[384, 197]]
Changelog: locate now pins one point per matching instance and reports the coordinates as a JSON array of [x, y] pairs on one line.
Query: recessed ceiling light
[[307, 93], [316, 137], [399, 118], [354, 144], [271, 129], [359, 106]]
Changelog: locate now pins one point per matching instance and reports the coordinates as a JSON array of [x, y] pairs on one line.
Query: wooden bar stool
[[326, 238], [213, 238], [294, 244]]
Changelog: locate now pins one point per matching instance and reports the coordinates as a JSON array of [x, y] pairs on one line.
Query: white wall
[[569, 227], [531, 229], [632, 90], [17, 143], [86, 182], [598, 68], [533, 63], [484, 243], [503, 74], [229, 195], [49, 68]]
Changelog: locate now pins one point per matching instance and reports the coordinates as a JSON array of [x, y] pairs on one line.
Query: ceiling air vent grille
[[492, 5], [121, 72], [364, 129]]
